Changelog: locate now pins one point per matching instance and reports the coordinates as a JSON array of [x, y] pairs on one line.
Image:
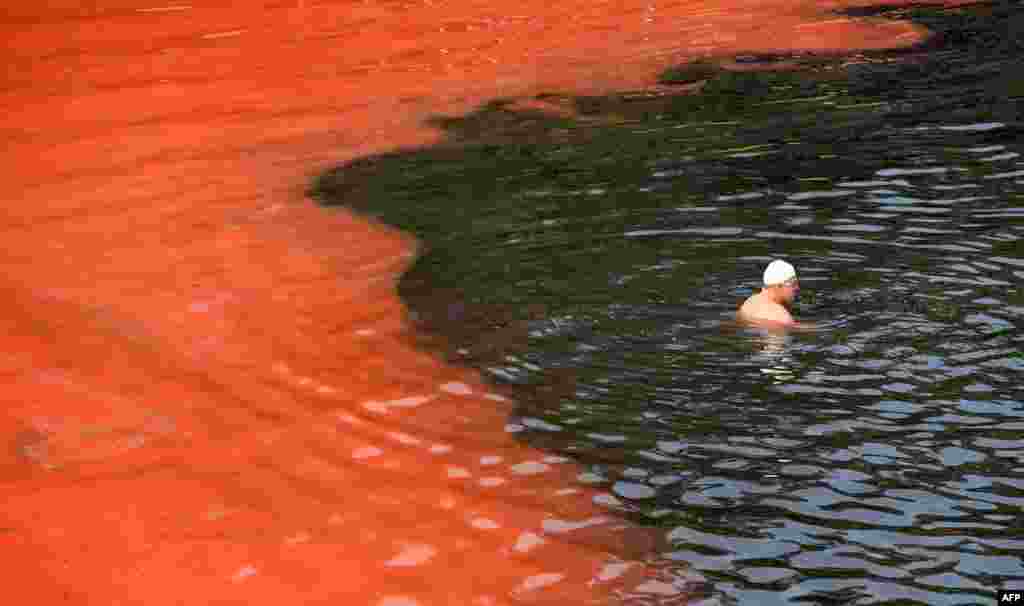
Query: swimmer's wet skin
[[769, 307]]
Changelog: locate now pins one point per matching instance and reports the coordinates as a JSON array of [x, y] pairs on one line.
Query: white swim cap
[[777, 272]]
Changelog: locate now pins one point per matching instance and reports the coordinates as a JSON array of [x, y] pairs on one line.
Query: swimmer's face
[[790, 289]]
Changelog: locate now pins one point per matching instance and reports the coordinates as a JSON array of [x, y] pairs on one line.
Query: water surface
[[591, 263]]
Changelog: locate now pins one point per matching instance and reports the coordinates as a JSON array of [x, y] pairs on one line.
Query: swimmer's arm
[[785, 320]]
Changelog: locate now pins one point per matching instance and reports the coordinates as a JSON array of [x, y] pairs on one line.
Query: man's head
[[780, 280]]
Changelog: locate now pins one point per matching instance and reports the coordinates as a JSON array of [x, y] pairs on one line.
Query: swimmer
[[769, 307]]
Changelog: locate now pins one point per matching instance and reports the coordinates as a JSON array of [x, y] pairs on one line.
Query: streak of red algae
[[210, 394]]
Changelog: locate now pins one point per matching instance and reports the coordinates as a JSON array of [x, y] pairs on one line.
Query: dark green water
[[592, 266]]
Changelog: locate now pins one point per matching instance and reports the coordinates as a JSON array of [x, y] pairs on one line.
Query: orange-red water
[[209, 395]]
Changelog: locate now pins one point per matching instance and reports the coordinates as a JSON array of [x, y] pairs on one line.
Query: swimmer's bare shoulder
[[757, 310]]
